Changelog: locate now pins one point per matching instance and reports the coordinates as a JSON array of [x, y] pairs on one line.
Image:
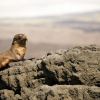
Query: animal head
[[19, 39]]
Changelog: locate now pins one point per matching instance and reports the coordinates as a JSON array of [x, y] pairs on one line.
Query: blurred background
[[50, 24]]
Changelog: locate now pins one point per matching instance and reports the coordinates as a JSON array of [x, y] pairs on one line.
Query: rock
[[7, 95], [67, 92], [72, 74]]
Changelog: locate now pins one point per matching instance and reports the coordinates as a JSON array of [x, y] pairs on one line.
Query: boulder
[[72, 74]]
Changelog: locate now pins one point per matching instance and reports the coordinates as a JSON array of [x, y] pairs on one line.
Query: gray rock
[[72, 74]]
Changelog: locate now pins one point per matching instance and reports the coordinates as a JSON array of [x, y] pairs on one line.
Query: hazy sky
[[27, 8]]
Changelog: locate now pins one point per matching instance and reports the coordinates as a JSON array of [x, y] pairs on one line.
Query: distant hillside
[[89, 22], [52, 32]]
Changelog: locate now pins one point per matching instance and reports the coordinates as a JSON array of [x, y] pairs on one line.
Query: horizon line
[[44, 16]]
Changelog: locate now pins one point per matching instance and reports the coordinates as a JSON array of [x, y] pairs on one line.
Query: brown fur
[[16, 52]]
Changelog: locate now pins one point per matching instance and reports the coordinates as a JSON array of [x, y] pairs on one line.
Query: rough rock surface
[[72, 74]]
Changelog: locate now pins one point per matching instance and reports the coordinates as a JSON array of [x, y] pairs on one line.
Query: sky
[[35, 8]]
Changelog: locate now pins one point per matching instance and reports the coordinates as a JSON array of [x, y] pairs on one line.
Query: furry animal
[[16, 52]]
